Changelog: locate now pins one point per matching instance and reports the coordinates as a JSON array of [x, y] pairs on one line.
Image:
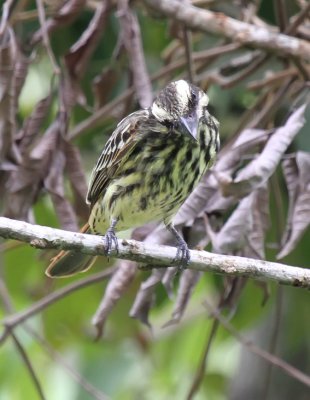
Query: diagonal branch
[[270, 358], [44, 237], [237, 31]]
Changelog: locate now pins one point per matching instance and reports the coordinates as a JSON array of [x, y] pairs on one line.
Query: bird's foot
[[110, 239], [182, 257]]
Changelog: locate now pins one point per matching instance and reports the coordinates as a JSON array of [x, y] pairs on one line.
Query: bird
[[148, 167]]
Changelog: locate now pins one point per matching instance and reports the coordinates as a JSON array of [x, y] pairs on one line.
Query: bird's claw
[[182, 257], [110, 239]]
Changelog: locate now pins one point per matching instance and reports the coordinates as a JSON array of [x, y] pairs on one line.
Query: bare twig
[[100, 114], [161, 256], [203, 362], [274, 339], [270, 358], [272, 80], [280, 11], [56, 356], [28, 365], [17, 318], [131, 37], [45, 36], [240, 32], [298, 20], [227, 82], [6, 11], [272, 104], [86, 385], [5, 297], [189, 54]]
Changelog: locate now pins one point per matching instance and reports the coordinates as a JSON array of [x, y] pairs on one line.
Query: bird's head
[[180, 105]]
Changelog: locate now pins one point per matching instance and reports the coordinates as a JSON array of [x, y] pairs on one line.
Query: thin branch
[[299, 19], [200, 373], [28, 365], [44, 237], [189, 54], [228, 82], [6, 12], [275, 79], [100, 114], [270, 358], [281, 14], [45, 36], [274, 339], [272, 103], [56, 356], [8, 307], [240, 32], [15, 319]]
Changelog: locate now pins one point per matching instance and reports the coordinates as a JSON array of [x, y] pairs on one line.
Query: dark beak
[[190, 124]]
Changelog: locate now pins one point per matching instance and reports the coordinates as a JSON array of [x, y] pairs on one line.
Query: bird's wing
[[115, 152]]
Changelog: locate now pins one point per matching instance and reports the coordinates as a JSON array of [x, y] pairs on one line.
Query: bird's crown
[[178, 99]]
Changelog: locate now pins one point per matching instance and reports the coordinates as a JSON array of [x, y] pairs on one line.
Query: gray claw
[[182, 257], [110, 239]]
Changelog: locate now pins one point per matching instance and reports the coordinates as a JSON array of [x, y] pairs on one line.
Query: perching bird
[[148, 167]]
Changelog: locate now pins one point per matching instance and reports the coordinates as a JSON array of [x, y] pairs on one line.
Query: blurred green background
[[130, 361]]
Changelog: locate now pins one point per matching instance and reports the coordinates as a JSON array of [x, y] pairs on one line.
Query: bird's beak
[[190, 124]]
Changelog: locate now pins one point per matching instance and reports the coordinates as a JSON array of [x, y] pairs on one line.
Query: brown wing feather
[[115, 153]]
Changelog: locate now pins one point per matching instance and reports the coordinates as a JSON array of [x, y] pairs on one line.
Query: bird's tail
[[68, 262]]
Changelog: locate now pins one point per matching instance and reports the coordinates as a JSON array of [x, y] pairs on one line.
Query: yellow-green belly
[[153, 192]]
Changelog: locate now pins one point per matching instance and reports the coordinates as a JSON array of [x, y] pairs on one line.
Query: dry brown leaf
[[23, 189], [69, 10], [71, 93], [20, 72], [76, 175], [233, 288], [145, 297], [65, 15], [259, 170], [248, 139], [103, 85], [168, 279], [255, 247], [132, 40], [54, 184], [290, 172], [299, 212], [78, 57], [32, 124], [188, 281], [233, 235], [8, 53], [118, 284], [25, 184], [245, 229]]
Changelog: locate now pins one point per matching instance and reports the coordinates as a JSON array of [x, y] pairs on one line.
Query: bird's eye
[[168, 124], [194, 97]]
